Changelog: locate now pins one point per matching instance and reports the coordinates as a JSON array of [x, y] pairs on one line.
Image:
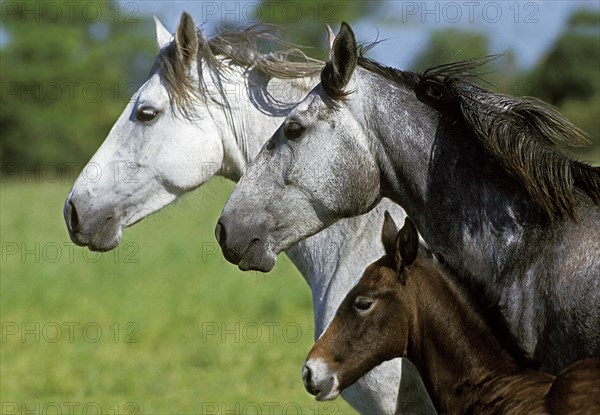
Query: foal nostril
[[71, 217], [306, 375], [220, 233], [307, 379]]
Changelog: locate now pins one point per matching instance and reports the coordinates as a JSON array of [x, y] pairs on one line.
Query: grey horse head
[[298, 183]]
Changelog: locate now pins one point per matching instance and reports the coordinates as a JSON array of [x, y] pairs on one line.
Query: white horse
[[204, 111]]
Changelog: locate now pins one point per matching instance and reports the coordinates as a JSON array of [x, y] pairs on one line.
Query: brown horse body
[[407, 305]]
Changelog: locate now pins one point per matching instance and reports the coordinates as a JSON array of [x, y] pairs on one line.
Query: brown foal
[[407, 305]]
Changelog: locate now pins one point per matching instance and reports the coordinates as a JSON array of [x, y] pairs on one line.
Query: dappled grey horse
[[204, 111], [483, 175]]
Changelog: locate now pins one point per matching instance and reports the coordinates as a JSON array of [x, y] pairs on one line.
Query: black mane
[[526, 135]]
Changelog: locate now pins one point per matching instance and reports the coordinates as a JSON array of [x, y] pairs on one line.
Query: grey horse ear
[[330, 39], [186, 38], [388, 235], [343, 56], [407, 244], [163, 37]]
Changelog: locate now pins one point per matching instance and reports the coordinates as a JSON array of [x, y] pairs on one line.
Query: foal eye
[[362, 304], [146, 114], [293, 130]]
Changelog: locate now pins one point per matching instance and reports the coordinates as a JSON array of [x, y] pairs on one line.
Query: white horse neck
[[255, 104], [333, 260]]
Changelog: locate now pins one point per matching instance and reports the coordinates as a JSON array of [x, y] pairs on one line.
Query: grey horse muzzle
[[245, 246]]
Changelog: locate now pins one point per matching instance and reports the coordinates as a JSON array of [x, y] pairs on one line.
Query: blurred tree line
[[566, 77], [67, 72]]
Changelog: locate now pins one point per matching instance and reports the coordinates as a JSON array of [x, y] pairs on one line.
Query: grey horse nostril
[[220, 233], [71, 217]]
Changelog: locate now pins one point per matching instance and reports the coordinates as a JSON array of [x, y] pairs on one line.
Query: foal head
[[372, 323]]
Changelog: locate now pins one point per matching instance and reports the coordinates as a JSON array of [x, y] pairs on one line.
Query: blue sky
[[528, 28]]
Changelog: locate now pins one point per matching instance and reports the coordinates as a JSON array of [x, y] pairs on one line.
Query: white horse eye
[[363, 304], [146, 114], [293, 130]]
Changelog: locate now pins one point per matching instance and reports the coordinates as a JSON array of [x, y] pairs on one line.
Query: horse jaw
[[97, 221]]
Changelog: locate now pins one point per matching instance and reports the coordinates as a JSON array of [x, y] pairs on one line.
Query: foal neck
[[452, 344]]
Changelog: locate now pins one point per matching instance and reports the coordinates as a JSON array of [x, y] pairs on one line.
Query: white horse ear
[[163, 37], [330, 39], [186, 38]]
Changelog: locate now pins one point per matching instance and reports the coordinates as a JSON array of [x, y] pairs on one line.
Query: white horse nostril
[[71, 216]]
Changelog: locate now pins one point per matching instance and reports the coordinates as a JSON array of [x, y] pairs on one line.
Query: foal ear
[[407, 244], [388, 235], [186, 39], [163, 36], [343, 56]]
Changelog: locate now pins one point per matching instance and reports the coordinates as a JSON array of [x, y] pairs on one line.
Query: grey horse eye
[[146, 114], [293, 131]]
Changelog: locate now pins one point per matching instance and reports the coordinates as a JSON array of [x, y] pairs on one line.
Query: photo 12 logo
[[251, 332], [69, 11], [66, 92], [117, 172], [268, 408], [65, 252], [469, 11], [249, 12], [70, 408], [68, 331]]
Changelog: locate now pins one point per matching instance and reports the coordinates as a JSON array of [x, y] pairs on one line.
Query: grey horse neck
[[485, 224]]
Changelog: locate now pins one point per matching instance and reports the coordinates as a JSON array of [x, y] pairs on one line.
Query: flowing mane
[[239, 47], [526, 135]]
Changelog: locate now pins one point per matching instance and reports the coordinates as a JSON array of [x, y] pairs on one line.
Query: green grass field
[[161, 325]]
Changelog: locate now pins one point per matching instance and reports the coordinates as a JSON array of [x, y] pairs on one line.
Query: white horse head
[[179, 129]]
